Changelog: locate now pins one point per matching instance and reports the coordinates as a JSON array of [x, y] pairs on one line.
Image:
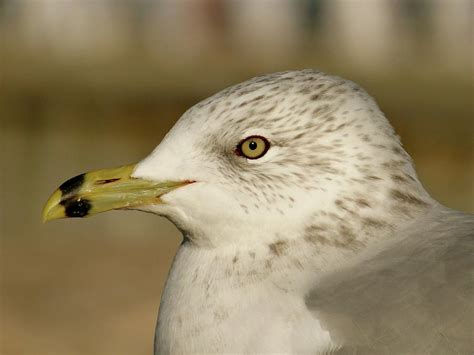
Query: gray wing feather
[[415, 296]]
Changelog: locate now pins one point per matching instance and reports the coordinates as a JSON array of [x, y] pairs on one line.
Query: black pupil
[[253, 145]]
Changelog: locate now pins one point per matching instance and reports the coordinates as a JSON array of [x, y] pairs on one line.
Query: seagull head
[[286, 154]]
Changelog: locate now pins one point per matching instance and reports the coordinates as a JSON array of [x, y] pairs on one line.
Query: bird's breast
[[213, 305]]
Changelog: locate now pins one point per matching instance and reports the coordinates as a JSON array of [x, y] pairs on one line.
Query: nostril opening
[[106, 181]]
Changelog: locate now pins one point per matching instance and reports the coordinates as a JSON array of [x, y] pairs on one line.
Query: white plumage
[[326, 242]]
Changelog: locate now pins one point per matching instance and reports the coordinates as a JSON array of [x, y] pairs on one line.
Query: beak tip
[[53, 209], [45, 217]]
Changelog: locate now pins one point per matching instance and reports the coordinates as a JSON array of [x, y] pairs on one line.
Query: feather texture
[[413, 295]]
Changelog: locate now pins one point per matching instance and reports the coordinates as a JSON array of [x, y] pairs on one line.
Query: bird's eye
[[253, 147]]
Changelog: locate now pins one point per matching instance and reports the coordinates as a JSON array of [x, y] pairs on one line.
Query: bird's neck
[[210, 289], [216, 285]]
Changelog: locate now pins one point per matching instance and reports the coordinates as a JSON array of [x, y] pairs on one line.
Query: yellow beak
[[104, 190]]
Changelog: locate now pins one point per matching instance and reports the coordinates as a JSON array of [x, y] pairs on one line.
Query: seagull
[[305, 227]]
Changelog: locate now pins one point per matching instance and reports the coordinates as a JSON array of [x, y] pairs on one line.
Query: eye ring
[[253, 147]]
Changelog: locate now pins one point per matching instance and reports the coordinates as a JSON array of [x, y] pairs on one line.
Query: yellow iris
[[254, 147]]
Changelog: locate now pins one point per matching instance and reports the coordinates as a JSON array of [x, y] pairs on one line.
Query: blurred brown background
[[87, 84]]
